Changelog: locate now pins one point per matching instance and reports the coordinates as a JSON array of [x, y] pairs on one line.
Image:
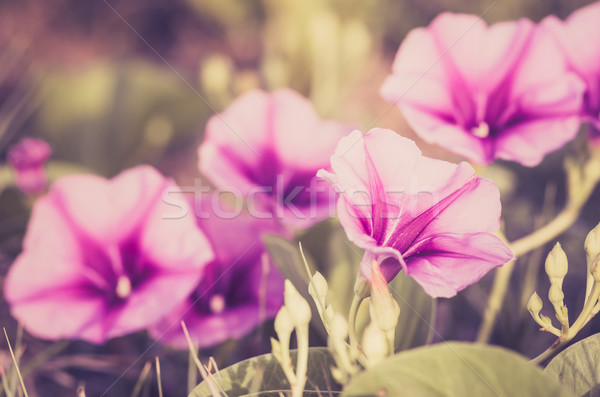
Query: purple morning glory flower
[[267, 148], [430, 218], [104, 258], [577, 37], [486, 93], [28, 158], [239, 289]]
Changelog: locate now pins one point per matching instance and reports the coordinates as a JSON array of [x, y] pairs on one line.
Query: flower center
[[123, 289], [482, 130], [217, 303]]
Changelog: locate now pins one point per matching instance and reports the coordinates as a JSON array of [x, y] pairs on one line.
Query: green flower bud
[[339, 327], [283, 322], [592, 245], [556, 263], [298, 309], [555, 295], [362, 287], [319, 283], [374, 344], [535, 304]]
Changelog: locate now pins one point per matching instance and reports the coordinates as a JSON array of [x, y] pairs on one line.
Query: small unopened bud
[[535, 304], [555, 295], [384, 309], [362, 287], [339, 327], [374, 344], [596, 269], [276, 349], [556, 263], [297, 307], [592, 245], [319, 283], [283, 322]]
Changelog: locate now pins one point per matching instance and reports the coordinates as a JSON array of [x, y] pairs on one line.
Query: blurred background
[[115, 83]]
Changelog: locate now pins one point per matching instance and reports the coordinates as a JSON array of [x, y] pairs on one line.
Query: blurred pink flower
[[268, 148], [28, 158], [578, 38], [486, 93], [430, 218], [239, 289], [103, 258]]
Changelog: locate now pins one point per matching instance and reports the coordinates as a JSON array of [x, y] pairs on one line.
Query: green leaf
[[417, 313], [455, 369], [288, 260], [578, 367], [264, 375]]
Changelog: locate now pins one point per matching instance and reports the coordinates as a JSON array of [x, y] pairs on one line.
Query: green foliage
[[264, 375], [455, 369], [578, 367]]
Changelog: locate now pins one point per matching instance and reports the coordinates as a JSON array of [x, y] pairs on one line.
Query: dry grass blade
[[158, 381], [12, 354], [5, 385], [212, 386], [141, 379]]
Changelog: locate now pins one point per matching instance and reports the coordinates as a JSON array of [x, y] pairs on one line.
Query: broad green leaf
[[578, 367], [263, 376], [455, 369], [417, 313]]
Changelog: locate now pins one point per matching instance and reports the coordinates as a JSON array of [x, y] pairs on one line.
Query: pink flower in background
[[578, 38], [430, 218], [238, 290], [103, 258], [486, 93], [28, 158], [268, 147]]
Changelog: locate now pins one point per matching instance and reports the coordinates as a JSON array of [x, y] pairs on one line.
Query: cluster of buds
[[556, 269], [337, 331], [293, 315]]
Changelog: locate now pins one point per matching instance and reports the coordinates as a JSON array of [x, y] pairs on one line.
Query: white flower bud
[[555, 295], [535, 304], [339, 327], [362, 287], [374, 344], [319, 283], [276, 349], [283, 322], [384, 313], [297, 307], [596, 269], [592, 245], [556, 263]]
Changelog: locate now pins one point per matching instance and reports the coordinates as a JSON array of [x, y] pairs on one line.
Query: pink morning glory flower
[[104, 258], [430, 218], [577, 37], [486, 93], [267, 148], [28, 158], [239, 289]]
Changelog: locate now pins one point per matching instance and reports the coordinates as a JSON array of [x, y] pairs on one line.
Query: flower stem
[[302, 361], [550, 352]]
